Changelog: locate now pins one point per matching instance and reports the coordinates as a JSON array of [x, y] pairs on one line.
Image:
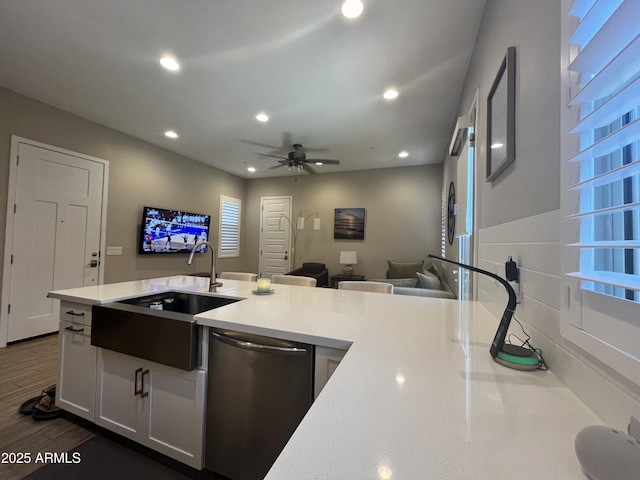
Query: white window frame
[[605, 327], [229, 227]]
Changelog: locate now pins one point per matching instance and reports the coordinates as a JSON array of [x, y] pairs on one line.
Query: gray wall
[[531, 184], [402, 220], [402, 204], [518, 214], [140, 174]]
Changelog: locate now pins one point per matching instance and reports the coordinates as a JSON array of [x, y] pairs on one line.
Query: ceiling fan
[[298, 160]]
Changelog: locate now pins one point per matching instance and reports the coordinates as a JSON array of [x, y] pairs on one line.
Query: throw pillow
[[403, 270], [433, 268], [429, 280]]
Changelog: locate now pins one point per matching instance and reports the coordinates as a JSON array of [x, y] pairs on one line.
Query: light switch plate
[[114, 250]]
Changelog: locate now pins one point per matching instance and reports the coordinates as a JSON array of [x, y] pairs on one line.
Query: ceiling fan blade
[[308, 168], [305, 149], [286, 141], [271, 156], [282, 164], [282, 148], [258, 144], [323, 160]]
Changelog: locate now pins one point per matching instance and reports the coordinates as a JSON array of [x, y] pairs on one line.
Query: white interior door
[[275, 236], [53, 234]]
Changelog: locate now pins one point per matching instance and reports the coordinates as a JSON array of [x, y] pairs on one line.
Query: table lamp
[[348, 259], [512, 356]]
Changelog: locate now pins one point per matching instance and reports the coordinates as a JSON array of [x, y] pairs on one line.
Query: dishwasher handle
[[257, 347]]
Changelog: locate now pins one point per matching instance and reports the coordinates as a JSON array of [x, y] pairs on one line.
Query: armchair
[[314, 270]]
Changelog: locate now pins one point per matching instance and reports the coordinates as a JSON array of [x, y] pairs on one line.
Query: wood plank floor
[[27, 368]]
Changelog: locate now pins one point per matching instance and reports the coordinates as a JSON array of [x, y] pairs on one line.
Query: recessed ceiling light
[[319, 163], [390, 93], [403, 154], [352, 8], [262, 117], [252, 169], [169, 63], [170, 134], [384, 472]]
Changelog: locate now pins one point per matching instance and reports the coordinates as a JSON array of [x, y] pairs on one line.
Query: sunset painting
[[348, 224]]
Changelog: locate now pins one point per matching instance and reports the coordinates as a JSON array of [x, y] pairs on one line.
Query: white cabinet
[[327, 360], [117, 396], [158, 406], [75, 391]]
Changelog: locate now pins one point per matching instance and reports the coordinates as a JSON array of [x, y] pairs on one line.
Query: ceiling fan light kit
[[298, 162]]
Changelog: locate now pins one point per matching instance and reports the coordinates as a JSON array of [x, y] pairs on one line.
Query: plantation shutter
[[608, 64], [229, 227], [602, 179]]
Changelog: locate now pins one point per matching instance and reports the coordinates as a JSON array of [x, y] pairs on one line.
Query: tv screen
[[172, 231]]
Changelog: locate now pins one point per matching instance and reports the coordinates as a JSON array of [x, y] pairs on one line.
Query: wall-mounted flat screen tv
[[172, 231]]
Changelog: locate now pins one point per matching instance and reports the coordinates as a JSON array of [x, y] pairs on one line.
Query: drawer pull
[[136, 391], [142, 392], [75, 330], [71, 312]]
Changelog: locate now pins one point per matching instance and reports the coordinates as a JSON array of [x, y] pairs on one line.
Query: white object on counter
[[264, 285]]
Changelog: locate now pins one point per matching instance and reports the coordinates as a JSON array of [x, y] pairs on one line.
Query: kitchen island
[[417, 394]]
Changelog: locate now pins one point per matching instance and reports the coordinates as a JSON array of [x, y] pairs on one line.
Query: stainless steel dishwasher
[[259, 388]]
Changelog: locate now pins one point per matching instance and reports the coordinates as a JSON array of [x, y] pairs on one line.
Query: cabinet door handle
[[135, 384], [142, 392], [71, 312], [74, 330], [247, 345]]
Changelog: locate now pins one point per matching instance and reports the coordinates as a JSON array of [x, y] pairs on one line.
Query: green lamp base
[[520, 358]]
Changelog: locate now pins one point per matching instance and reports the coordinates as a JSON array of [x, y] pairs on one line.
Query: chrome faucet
[[212, 279]]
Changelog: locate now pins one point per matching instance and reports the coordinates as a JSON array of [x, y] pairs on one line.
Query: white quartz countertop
[[416, 397]]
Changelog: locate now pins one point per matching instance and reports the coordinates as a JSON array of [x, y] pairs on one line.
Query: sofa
[[414, 278], [314, 270]]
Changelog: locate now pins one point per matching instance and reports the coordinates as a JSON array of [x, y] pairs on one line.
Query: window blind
[[607, 69], [229, 227]]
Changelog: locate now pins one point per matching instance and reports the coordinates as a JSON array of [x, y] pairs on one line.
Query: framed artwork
[[501, 113], [348, 224]]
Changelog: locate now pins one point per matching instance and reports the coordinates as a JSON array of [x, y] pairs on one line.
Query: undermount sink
[[158, 327], [182, 302]]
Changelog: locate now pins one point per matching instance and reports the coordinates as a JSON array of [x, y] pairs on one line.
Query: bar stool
[[294, 280], [249, 277]]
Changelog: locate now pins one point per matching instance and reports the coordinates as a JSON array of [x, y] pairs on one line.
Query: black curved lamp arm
[[501, 333]]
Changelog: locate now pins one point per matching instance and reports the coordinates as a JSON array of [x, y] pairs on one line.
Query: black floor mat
[[102, 458]]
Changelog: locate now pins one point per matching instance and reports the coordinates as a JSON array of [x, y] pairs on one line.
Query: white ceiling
[[319, 76]]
